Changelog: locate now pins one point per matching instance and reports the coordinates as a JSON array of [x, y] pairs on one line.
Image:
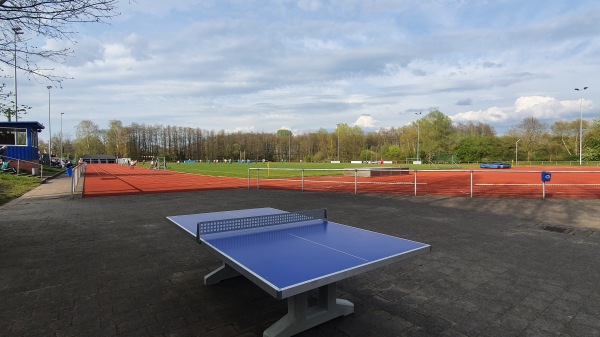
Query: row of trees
[[435, 134]]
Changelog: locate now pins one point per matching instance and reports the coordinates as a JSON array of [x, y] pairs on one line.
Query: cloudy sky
[[260, 66]]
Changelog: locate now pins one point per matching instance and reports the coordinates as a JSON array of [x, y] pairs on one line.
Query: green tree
[[592, 141], [89, 140], [284, 144], [393, 152], [350, 141], [436, 132], [476, 149], [474, 129], [115, 138]]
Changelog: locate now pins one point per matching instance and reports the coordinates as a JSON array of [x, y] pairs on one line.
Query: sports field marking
[[346, 182], [539, 184]]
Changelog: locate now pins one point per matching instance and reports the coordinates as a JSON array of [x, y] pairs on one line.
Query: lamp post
[[17, 31], [517, 152], [49, 127], [581, 125], [338, 143], [61, 146], [418, 137]]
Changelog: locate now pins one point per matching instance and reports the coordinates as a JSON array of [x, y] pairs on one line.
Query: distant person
[[132, 164], [6, 168], [3, 153]]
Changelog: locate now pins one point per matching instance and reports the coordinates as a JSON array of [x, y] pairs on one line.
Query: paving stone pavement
[[113, 266]]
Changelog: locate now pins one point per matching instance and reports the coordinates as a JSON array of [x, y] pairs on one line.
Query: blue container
[[69, 172]]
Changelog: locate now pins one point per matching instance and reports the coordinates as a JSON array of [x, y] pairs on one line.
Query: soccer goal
[[416, 161], [443, 159], [158, 163]]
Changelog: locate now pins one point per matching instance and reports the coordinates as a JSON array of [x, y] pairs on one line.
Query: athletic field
[[521, 182]]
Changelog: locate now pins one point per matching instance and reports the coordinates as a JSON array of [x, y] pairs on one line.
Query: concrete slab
[[376, 171]]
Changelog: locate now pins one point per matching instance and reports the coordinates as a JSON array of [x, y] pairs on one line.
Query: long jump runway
[[114, 179]]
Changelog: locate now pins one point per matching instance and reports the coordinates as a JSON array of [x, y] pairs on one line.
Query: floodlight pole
[[418, 137], [17, 31], [61, 145], [49, 127], [581, 126], [517, 152], [338, 142]]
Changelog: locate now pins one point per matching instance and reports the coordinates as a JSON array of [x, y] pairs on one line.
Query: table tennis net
[[224, 225]]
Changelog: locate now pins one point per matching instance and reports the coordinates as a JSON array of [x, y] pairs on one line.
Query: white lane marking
[[320, 244]]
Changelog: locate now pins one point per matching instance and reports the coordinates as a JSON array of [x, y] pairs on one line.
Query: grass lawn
[[13, 186]]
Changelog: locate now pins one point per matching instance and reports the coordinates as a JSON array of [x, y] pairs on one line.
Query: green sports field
[[277, 170]]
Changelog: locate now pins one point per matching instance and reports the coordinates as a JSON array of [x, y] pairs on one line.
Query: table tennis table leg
[[301, 317], [224, 272]]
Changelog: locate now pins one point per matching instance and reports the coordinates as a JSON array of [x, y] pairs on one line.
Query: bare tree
[[52, 19], [23, 21], [533, 132], [568, 133]]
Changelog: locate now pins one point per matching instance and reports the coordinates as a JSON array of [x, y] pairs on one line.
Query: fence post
[[415, 171], [75, 176], [258, 179], [302, 180], [248, 178], [543, 190], [73, 184], [355, 181], [471, 183]]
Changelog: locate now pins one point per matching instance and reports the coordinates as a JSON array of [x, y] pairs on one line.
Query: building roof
[[23, 124]]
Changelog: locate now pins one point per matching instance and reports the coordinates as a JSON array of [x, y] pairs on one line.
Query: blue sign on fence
[[546, 176]]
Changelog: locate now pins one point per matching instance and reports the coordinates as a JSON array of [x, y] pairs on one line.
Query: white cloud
[[490, 116], [244, 129], [310, 64], [540, 107], [365, 121]]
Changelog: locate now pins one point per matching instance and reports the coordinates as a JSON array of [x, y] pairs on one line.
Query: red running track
[[569, 182], [114, 179]]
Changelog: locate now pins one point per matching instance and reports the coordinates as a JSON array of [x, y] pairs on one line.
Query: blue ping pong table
[[288, 254]]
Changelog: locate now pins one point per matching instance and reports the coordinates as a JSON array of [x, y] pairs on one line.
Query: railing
[[541, 163], [565, 183], [29, 165], [76, 176]]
